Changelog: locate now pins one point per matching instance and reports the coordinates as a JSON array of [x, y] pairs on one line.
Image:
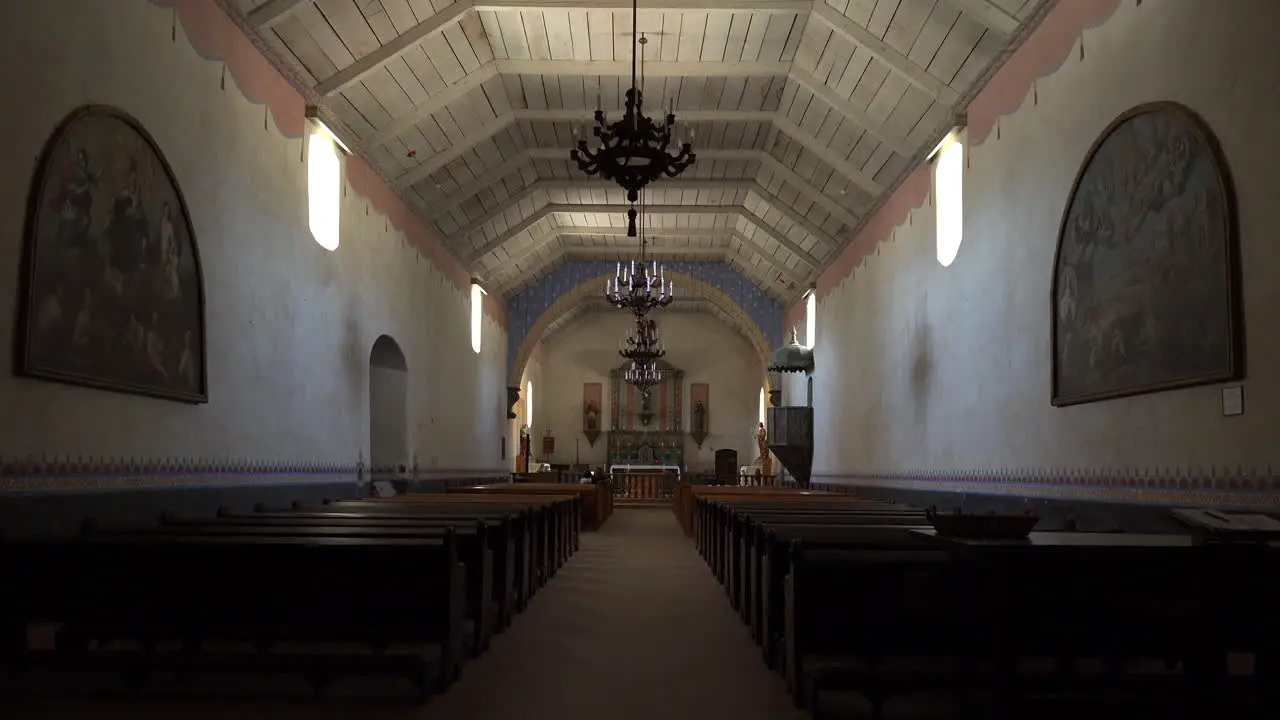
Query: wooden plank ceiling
[[802, 114]]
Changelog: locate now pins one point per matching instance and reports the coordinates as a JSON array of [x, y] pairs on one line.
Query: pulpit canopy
[[792, 357]]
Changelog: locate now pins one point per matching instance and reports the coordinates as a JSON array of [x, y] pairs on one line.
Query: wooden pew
[[553, 529], [596, 503], [502, 531], [562, 508], [269, 591], [473, 548]]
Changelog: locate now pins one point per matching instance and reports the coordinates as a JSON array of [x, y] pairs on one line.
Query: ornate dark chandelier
[[643, 349], [633, 150], [639, 290], [643, 377]]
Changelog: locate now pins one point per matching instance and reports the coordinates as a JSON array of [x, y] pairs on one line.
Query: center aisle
[[633, 627]]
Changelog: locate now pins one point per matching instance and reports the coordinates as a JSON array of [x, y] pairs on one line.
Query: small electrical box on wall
[[1233, 401]]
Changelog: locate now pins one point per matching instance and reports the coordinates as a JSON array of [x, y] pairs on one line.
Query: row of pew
[[861, 604], [407, 588]]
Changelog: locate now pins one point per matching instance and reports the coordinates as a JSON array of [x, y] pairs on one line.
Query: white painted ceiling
[[804, 113]]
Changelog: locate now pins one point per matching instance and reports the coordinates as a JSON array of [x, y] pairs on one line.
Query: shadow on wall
[[388, 406], [922, 364]]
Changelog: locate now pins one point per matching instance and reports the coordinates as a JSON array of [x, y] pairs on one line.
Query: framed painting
[[112, 292], [1146, 278]]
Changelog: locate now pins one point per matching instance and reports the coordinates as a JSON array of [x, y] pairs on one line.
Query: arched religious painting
[[1146, 291], [112, 290]]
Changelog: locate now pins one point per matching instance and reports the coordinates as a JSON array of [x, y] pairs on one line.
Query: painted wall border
[[218, 33]]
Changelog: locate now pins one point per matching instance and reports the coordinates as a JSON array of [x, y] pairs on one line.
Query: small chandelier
[[643, 348], [633, 150], [643, 376], [639, 291]]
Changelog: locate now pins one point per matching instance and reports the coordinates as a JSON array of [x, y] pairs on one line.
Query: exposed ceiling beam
[[915, 74], [411, 38], [823, 152], [767, 162], [464, 192], [789, 213], [494, 68], [540, 246], [989, 14], [565, 115], [554, 208], [761, 226], [272, 12], [819, 198], [843, 106], [434, 163], [539, 186], [775, 6], [738, 211]]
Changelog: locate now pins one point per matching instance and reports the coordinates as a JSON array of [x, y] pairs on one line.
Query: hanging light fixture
[[643, 349], [634, 150], [639, 288]]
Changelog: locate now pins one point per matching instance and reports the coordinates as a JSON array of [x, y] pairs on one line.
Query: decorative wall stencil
[[699, 411], [112, 290], [1146, 277], [592, 405], [1238, 486]]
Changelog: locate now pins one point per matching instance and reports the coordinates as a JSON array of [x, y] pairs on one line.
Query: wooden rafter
[[989, 14], [500, 124], [896, 61], [767, 162], [846, 108], [272, 13]]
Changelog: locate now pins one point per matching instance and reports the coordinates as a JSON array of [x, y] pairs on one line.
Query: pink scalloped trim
[[1043, 54], [217, 38]]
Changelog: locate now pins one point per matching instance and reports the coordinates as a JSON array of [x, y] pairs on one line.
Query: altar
[[644, 469], [645, 431]]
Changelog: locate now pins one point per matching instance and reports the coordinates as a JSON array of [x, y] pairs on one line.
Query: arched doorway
[[388, 407]]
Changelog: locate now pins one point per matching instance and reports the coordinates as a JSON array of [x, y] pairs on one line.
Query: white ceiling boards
[[804, 114]]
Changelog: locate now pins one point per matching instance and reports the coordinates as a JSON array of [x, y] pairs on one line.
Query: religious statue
[[699, 422], [766, 459], [592, 415]]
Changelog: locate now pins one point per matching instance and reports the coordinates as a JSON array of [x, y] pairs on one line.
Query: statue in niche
[[592, 413]]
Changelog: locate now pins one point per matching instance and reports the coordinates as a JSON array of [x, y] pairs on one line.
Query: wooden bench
[[473, 550], [839, 588], [595, 499], [552, 521], [269, 591], [501, 531]]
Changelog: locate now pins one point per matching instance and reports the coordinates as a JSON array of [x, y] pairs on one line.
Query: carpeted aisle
[[634, 627]]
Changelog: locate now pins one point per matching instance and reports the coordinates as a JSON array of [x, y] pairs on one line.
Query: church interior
[[639, 358]]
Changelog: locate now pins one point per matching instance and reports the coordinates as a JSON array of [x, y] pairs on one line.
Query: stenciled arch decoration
[[594, 285]]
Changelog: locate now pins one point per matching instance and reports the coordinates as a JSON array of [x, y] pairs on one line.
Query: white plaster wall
[[289, 324], [925, 367], [703, 347]]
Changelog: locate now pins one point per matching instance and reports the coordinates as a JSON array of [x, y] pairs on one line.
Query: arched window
[[528, 404], [811, 319], [763, 415], [477, 315], [949, 198], [324, 190]]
